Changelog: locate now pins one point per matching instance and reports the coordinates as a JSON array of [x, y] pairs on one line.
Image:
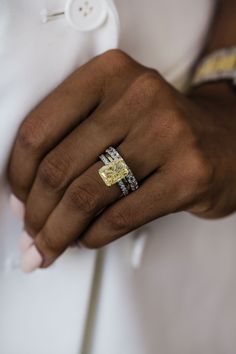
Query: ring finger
[[67, 161], [73, 156], [85, 197]]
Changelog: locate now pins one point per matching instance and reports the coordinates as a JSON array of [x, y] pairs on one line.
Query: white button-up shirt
[[181, 299]]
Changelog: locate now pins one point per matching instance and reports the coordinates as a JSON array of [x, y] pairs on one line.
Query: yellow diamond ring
[[116, 171]]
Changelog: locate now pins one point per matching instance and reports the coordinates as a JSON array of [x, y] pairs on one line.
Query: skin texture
[[181, 149]]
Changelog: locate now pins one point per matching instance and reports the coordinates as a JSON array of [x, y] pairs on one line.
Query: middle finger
[[67, 161], [84, 199]]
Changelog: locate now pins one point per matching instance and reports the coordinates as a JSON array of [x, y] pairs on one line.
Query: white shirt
[[181, 299]]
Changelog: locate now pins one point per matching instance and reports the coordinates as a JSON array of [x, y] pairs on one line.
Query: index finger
[[50, 121]]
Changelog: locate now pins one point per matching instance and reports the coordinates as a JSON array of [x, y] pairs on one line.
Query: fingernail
[[31, 260], [17, 206], [25, 241]]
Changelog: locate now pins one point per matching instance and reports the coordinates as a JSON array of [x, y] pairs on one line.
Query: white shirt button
[[86, 15]]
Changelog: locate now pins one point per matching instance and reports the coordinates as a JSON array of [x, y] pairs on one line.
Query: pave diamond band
[[116, 171]]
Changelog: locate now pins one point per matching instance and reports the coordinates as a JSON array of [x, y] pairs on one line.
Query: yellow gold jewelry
[[220, 65]]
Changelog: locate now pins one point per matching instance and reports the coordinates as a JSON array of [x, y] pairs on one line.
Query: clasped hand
[[181, 149]]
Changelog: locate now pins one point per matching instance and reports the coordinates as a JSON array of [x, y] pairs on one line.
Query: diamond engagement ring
[[116, 171]]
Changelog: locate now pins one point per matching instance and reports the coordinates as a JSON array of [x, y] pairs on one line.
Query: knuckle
[[90, 243], [115, 57], [29, 137], [52, 172], [116, 64], [175, 125], [32, 225], [82, 198], [178, 124], [149, 81], [205, 173], [49, 246], [143, 92], [119, 221], [146, 86], [205, 207], [199, 174], [19, 188]]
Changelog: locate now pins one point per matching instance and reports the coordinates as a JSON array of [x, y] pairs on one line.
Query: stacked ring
[[130, 176], [121, 184], [116, 171]]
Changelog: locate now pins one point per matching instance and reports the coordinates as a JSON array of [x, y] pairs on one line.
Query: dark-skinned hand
[[181, 149]]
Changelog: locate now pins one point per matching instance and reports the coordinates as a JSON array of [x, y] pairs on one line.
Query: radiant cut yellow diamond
[[114, 172]]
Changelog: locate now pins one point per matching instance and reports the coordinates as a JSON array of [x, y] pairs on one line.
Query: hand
[[182, 150]]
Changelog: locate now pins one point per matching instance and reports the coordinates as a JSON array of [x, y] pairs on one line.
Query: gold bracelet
[[220, 65]]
